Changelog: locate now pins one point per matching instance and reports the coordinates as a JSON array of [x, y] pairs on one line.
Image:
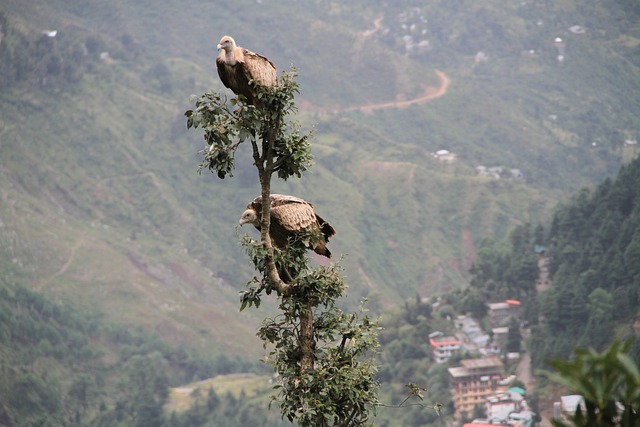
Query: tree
[[513, 336], [324, 357], [149, 387], [601, 307], [83, 390], [608, 381]]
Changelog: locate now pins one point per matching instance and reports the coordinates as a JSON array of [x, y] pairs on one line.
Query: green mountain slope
[[63, 364], [594, 246], [101, 202]]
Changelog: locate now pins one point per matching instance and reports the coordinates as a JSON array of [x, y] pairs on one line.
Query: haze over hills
[[102, 205]]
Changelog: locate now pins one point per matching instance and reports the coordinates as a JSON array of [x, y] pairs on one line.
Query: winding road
[[430, 93]]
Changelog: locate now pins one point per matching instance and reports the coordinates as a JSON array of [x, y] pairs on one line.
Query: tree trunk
[[306, 338]]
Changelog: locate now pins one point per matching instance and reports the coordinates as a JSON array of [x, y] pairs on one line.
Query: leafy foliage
[[325, 359], [608, 381], [225, 129], [341, 386]]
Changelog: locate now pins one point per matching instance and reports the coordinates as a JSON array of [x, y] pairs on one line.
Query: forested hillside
[[591, 249], [594, 250], [65, 365]]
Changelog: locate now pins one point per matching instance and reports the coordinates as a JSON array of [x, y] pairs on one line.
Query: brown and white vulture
[[292, 220], [242, 70]]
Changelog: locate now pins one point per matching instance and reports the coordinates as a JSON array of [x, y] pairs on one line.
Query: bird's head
[[249, 217], [227, 43]]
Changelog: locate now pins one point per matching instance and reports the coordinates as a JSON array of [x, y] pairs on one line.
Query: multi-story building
[[472, 382], [442, 348], [500, 312]]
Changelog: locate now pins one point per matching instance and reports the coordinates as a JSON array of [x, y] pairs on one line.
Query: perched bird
[[242, 70], [292, 220]]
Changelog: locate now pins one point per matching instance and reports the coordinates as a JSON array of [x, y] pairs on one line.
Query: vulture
[[242, 70], [292, 220]]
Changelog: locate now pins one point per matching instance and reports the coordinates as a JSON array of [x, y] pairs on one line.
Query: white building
[[442, 348]]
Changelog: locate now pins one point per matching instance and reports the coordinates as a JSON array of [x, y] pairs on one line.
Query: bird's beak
[[219, 46]]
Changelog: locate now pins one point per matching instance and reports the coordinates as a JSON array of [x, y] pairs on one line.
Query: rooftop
[[442, 341], [484, 362], [476, 367], [504, 304]]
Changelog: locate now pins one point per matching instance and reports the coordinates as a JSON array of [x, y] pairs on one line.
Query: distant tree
[[149, 384], [162, 74], [538, 235], [600, 307], [513, 336], [83, 390], [94, 44], [478, 412], [32, 396], [474, 302]]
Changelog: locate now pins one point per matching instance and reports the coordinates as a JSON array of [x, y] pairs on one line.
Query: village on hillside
[[482, 391]]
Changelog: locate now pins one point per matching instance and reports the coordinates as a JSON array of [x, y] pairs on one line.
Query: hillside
[[102, 205], [594, 242], [580, 290], [66, 365]]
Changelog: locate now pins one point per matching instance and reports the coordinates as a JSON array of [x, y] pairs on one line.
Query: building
[[474, 338], [500, 312], [498, 340], [442, 348], [444, 156], [522, 419], [506, 409], [472, 382], [567, 407], [499, 406]]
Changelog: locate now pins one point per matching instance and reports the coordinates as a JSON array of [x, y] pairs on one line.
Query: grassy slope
[[101, 202], [90, 215]]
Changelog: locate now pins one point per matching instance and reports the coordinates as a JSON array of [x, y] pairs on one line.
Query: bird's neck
[[230, 57]]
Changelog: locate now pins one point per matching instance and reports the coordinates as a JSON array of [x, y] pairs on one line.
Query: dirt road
[[430, 93]]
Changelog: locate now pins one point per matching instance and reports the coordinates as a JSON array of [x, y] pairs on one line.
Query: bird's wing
[[222, 71], [279, 199], [326, 228], [258, 68], [294, 215]]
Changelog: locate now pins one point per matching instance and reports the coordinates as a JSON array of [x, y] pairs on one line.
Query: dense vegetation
[[594, 243], [592, 248], [61, 365], [608, 381], [504, 270]]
